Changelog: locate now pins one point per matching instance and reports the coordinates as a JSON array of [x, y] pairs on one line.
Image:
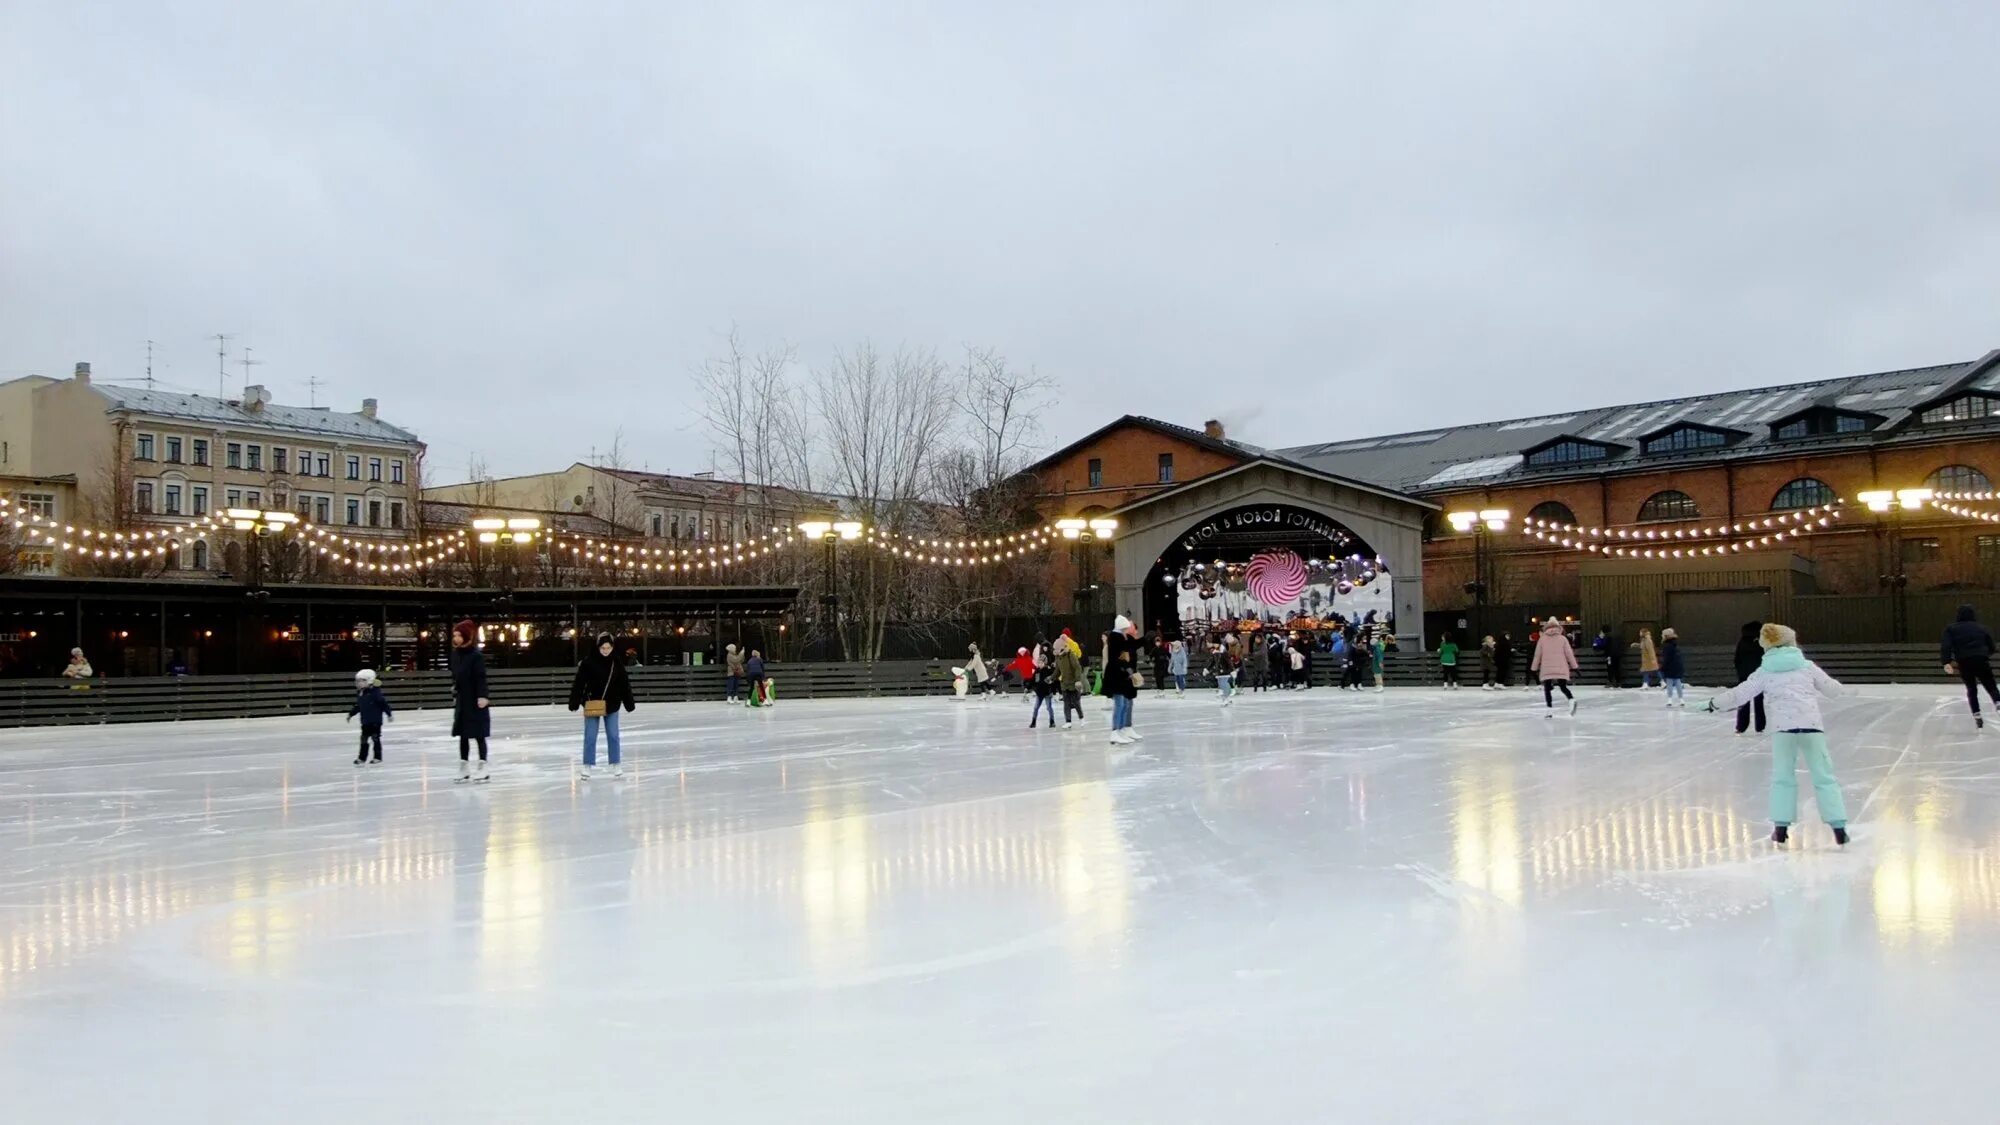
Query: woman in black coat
[[601, 676], [1749, 657], [470, 719]]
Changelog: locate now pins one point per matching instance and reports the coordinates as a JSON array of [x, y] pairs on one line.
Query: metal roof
[[230, 412], [1493, 452]]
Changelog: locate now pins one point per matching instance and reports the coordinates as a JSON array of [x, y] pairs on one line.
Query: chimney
[[368, 408], [1213, 428], [254, 398], [83, 373]]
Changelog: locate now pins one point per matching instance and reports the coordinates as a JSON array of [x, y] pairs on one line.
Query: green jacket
[[1069, 669], [1448, 654]]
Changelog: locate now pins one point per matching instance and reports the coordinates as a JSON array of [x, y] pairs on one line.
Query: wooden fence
[[32, 703]]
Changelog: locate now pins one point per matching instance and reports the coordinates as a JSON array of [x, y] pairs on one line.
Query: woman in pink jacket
[[1555, 663]]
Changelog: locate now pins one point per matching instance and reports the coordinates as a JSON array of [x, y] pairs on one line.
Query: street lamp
[[259, 524], [513, 532], [1894, 502], [1082, 531], [831, 532], [1483, 524]]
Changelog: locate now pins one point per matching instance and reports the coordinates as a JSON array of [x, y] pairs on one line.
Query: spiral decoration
[[1276, 577]]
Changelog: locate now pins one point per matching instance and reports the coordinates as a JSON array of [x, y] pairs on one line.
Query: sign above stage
[[1264, 519]]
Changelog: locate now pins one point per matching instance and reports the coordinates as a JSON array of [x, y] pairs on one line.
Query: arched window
[[1665, 507], [1804, 492], [1554, 511], [1959, 478], [200, 555]]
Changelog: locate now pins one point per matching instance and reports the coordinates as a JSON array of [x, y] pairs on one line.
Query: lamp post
[[1482, 524], [830, 532], [512, 532], [260, 525], [1894, 502], [1082, 532]]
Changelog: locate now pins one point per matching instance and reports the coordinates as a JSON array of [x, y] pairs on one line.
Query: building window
[[1819, 422], [1804, 492], [144, 497], [1959, 478], [323, 510], [38, 562], [200, 500], [280, 459], [659, 521], [1568, 453], [1554, 511], [144, 450], [1096, 473], [395, 472], [675, 524], [305, 506], [200, 555], [1664, 507], [374, 513], [41, 504], [1686, 437], [354, 468], [396, 514], [233, 498], [173, 497], [1922, 551], [1988, 547], [1166, 468], [173, 451], [254, 499], [232, 455], [256, 462], [353, 512], [325, 466], [375, 468], [1970, 408], [201, 451]]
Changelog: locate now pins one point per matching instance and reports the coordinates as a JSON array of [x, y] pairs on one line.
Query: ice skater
[[1256, 665], [760, 684], [1069, 676], [732, 681], [471, 720], [1792, 685], [599, 690], [1222, 665], [1967, 650], [1121, 678], [1749, 656], [1555, 663], [1607, 647], [1042, 681], [1503, 660], [1378, 655], [1177, 665], [1448, 661], [1673, 668], [1487, 647], [1649, 661], [976, 675], [372, 705]]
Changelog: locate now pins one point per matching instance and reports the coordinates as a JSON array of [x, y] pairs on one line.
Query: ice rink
[[1415, 907]]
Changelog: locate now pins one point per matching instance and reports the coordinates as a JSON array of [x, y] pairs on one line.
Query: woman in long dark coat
[[470, 719]]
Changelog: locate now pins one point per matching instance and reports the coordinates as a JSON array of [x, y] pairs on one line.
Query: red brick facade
[[1129, 459]]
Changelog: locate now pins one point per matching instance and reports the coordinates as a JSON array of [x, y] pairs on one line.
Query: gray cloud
[[522, 227]]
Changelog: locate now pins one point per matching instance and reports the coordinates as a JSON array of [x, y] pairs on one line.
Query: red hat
[[1066, 631], [467, 629]]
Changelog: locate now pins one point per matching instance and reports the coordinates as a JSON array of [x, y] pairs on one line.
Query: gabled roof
[[1579, 439], [1490, 453], [1827, 408], [1193, 437], [1274, 462], [1727, 431], [203, 408]]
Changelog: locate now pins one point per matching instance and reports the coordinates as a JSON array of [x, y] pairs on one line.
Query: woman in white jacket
[[1791, 686]]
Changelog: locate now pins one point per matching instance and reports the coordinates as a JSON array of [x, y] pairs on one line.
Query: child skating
[[1448, 662], [1673, 668], [1791, 686], [1555, 665], [373, 707]]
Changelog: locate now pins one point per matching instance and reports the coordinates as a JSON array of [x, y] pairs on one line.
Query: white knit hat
[[364, 677], [1122, 623], [1774, 635]]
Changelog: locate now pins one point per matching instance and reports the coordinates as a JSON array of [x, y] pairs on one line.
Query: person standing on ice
[[1673, 668], [1222, 665], [1503, 660], [1967, 650], [1122, 647], [1792, 685], [759, 689], [1749, 656], [373, 708], [1023, 669], [733, 673], [1555, 663], [1649, 661], [1487, 648], [471, 721], [976, 674], [1042, 681], [1177, 665], [1448, 661], [1608, 650], [600, 689], [1378, 654], [1069, 676]]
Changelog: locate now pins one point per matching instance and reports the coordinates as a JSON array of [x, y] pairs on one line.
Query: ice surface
[[1416, 907]]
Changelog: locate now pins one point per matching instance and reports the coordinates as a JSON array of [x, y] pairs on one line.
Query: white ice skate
[[618, 772], [1133, 735], [583, 773], [1572, 707], [482, 775], [464, 770], [1379, 689]]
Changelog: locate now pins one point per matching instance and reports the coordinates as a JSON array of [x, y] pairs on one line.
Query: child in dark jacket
[[373, 708], [1673, 668]]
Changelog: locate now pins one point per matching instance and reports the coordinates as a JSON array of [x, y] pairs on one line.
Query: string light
[[1664, 550], [1774, 522]]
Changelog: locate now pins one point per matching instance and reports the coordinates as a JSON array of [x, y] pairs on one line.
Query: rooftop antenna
[[248, 363], [313, 384], [149, 365], [222, 365]]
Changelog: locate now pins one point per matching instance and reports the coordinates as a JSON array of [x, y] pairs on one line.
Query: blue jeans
[[1677, 690], [610, 721], [1648, 679], [1121, 712], [1041, 701], [735, 685], [1180, 681], [1226, 684]]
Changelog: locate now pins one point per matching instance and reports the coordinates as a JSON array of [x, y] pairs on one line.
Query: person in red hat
[[471, 721]]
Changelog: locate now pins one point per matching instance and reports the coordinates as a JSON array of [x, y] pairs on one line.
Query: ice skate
[[374, 761], [1840, 837], [1572, 708], [583, 773], [360, 761], [1979, 720], [1066, 724], [482, 775], [464, 770], [1781, 835], [1132, 735], [618, 773]]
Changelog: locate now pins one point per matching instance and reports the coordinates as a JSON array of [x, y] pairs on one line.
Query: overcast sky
[[521, 226]]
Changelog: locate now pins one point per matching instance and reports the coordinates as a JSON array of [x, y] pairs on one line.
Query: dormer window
[[1821, 421], [1687, 436], [1966, 408], [1569, 451]]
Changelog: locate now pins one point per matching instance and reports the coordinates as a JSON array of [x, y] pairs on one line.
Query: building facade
[[693, 508], [161, 460]]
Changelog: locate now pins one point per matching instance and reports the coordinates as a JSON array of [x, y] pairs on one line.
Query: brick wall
[[1131, 462]]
